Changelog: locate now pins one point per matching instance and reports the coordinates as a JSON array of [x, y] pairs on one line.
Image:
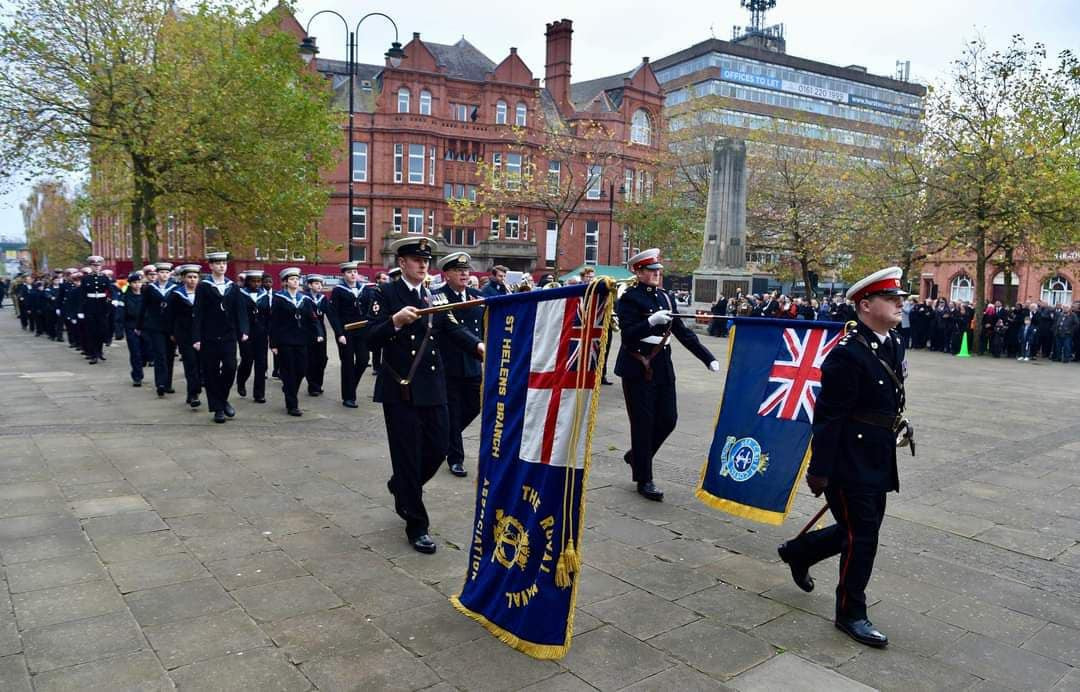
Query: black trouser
[[354, 360], [218, 361], [192, 369], [376, 360], [854, 537], [417, 436], [316, 366], [98, 328], [1046, 341], [292, 365], [164, 357], [253, 361], [72, 327], [653, 412], [463, 405], [137, 349]]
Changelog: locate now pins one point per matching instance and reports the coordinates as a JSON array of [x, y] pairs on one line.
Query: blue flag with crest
[[761, 444], [545, 351]]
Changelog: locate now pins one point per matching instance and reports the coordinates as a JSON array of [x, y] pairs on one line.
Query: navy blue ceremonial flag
[[544, 352], [761, 445]]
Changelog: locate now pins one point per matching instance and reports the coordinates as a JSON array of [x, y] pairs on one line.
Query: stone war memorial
[[723, 255]]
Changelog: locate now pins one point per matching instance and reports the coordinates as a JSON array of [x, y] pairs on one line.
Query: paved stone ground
[[145, 548]]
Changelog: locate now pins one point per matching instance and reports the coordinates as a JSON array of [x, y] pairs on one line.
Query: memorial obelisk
[[723, 255]]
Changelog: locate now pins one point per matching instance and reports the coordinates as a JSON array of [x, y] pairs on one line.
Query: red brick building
[[420, 129], [1052, 280]]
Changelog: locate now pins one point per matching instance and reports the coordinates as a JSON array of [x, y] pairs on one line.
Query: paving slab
[[640, 613], [911, 631], [209, 636], [609, 659], [793, 674], [429, 628], [252, 570], [1034, 543], [285, 599], [382, 665], [148, 573], [178, 601], [37, 525], [896, 670], [44, 547], [265, 670], [66, 603], [140, 546], [81, 641], [993, 660], [487, 664], [139, 671], [58, 571], [730, 605], [563, 682], [669, 581], [230, 543], [718, 651], [14, 675], [986, 618], [329, 633], [105, 506], [809, 636], [1056, 642], [123, 524]]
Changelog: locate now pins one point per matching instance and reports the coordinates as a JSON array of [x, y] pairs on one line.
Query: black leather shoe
[[241, 390], [230, 411], [423, 544], [349, 403], [863, 631], [194, 403], [136, 383], [799, 573], [627, 457], [219, 416], [259, 400], [170, 390], [93, 361], [458, 470], [605, 380], [314, 392], [295, 412], [650, 492], [160, 392], [101, 356]]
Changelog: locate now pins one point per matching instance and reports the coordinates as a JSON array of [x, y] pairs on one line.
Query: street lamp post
[[309, 49], [611, 216]]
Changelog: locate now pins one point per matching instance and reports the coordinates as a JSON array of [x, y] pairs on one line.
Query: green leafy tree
[[667, 219], [51, 220]]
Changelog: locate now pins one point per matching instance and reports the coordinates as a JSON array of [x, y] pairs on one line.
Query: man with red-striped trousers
[[857, 420]]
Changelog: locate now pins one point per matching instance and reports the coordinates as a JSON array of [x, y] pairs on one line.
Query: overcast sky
[[611, 37]]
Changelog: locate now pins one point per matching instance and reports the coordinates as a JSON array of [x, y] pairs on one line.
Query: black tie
[[419, 297]]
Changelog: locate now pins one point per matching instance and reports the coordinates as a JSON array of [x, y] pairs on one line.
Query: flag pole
[[814, 520], [427, 311]]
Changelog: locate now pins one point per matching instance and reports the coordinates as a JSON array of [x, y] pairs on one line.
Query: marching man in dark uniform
[[316, 364], [219, 322], [292, 327], [137, 343], [411, 383], [644, 363], [463, 370], [152, 324], [857, 418], [179, 315], [349, 303], [96, 311], [256, 301]]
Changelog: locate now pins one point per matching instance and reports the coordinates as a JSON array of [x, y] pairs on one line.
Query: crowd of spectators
[[1025, 332]]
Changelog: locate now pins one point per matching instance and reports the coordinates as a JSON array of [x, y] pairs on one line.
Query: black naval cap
[[414, 247]]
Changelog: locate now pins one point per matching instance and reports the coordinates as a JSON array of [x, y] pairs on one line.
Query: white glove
[[714, 366], [660, 317], [57, 312], [81, 316]]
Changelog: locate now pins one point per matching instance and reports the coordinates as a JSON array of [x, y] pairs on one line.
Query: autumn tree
[[1001, 149], [551, 169], [51, 221], [208, 112], [667, 219]]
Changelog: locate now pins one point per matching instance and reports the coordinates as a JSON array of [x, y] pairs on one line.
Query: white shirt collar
[[882, 338]]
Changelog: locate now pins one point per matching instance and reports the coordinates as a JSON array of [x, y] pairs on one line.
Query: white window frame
[[514, 164], [512, 227], [448, 190], [628, 184], [416, 220], [496, 162], [595, 179], [396, 220], [460, 111], [425, 102], [404, 98], [358, 221], [297, 257], [551, 240], [521, 114], [359, 151], [1057, 290], [496, 222], [431, 222], [500, 112], [431, 166], [262, 254], [399, 162], [962, 289], [592, 241], [416, 164], [554, 176], [641, 133], [358, 253]]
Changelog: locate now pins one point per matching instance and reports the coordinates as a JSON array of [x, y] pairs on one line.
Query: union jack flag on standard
[[761, 445], [544, 351]]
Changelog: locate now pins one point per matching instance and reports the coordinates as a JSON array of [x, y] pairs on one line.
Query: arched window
[[425, 102], [999, 279], [500, 112], [961, 289], [520, 114], [403, 100], [1057, 291], [641, 127]]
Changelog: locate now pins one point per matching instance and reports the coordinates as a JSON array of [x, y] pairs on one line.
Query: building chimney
[[557, 68]]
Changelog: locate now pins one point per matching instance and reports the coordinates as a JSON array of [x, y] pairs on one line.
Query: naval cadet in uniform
[[152, 323], [256, 301], [316, 363], [96, 311], [644, 363], [219, 322], [349, 302], [411, 384], [179, 313], [292, 327], [463, 370], [857, 420]]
